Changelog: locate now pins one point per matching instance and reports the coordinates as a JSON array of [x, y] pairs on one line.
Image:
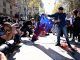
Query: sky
[[48, 5]]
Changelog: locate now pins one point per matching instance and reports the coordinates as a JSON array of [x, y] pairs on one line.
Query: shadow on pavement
[[29, 43], [76, 54], [11, 56], [51, 53]]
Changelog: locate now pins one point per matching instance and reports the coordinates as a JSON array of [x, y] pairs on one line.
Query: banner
[[47, 22]]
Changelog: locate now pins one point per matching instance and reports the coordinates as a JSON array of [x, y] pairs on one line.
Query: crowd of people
[[67, 24], [75, 26], [9, 30]]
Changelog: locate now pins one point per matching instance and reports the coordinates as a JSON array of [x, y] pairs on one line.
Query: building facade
[[7, 7], [21, 7]]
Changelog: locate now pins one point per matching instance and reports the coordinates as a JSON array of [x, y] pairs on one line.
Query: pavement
[[43, 49]]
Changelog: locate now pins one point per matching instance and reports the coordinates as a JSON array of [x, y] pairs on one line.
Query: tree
[[56, 6], [33, 6], [73, 4], [33, 3]]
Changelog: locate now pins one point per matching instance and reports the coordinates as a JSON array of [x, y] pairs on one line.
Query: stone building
[[7, 7]]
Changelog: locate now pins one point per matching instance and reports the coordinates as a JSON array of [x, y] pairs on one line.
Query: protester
[[76, 25], [27, 26], [2, 56], [36, 33], [61, 25], [69, 25], [43, 27]]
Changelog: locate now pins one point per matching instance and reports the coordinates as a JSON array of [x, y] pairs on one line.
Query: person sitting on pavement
[[27, 26], [2, 56]]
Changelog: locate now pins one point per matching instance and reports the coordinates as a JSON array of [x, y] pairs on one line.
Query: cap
[[60, 8]]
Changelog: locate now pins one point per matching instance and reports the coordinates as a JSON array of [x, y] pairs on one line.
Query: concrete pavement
[[43, 49]]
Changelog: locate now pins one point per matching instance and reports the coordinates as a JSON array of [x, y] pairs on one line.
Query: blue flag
[[47, 22]]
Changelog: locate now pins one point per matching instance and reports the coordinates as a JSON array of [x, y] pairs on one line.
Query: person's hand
[[56, 21], [2, 56]]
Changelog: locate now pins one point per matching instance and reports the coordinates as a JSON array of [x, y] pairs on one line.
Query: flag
[[47, 22]]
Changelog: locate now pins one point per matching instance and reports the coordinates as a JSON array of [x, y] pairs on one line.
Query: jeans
[[64, 30], [54, 29]]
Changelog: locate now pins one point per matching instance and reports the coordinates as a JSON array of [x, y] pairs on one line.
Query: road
[[43, 49]]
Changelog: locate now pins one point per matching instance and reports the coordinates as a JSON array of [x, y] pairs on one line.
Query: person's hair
[[1, 20], [78, 14], [75, 12], [60, 8]]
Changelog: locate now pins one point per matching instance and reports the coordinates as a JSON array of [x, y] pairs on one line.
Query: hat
[[60, 8]]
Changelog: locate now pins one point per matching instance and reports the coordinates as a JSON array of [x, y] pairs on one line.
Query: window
[[10, 12], [10, 7], [4, 10], [8, 1], [4, 3]]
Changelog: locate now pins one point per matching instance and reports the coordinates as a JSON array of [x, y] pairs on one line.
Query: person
[[76, 25], [74, 15], [16, 33], [2, 56], [27, 26], [2, 31], [38, 29], [36, 33], [69, 25], [61, 26], [78, 18]]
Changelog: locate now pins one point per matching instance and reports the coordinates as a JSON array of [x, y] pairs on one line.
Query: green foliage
[[33, 3], [73, 4], [56, 6]]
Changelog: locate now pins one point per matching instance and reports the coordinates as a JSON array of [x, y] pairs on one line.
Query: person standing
[[60, 20], [76, 25]]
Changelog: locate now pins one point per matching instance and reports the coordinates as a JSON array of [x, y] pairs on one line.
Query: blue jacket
[[61, 17]]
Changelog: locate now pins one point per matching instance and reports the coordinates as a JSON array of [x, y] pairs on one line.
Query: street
[[44, 48], [36, 29]]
